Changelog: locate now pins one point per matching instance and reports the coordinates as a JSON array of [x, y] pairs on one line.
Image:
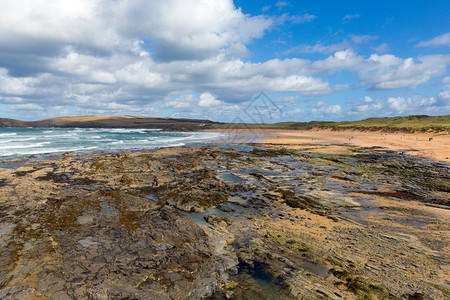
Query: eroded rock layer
[[190, 223]]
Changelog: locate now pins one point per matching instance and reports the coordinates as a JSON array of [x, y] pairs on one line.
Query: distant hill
[[408, 123], [12, 123], [113, 122]]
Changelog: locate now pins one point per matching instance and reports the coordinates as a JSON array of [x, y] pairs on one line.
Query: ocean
[[19, 142]]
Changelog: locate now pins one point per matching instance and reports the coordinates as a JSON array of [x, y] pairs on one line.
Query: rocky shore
[[218, 223]]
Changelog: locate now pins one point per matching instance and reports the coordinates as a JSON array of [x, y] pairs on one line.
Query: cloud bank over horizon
[[207, 59]]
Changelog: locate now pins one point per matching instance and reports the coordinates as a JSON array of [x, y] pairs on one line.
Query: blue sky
[[209, 59]]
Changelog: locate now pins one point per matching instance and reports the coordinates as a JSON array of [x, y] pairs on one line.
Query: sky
[[210, 59]]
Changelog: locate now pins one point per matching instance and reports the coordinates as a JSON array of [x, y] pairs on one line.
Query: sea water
[[17, 142]]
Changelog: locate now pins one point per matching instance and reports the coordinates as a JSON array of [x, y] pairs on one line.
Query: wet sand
[[410, 143]]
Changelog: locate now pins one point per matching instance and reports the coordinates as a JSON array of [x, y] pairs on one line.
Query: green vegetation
[[360, 287], [412, 123]]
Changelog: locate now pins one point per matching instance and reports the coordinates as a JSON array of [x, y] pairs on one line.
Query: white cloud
[[16, 86], [353, 41], [340, 60], [362, 39], [349, 17], [441, 40], [179, 100], [398, 103], [296, 19], [282, 4], [319, 48], [27, 106], [323, 108], [385, 72], [308, 86], [368, 105], [383, 48], [446, 80], [412, 104], [140, 73], [188, 29], [208, 100], [177, 29], [444, 95], [39, 26]]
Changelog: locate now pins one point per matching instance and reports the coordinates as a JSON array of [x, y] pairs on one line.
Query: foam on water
[[16, 142]]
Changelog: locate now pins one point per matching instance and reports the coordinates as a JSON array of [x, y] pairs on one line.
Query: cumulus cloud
[[367, 105], [323, 108], [438, 41], [385, 72], [189, 29], [97, 52], [179, 100], [340, 60], [411, 104], [10, 86], [208, 100], [177, 29], [349, 17], [444, 94]]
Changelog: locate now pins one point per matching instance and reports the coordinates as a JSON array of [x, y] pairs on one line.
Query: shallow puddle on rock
[[371, 210], [236, 200], [231, 210], [231, 178], [152, 197], [366, 211], [199, 218], [262, 172], [317, 269], [255, 283]]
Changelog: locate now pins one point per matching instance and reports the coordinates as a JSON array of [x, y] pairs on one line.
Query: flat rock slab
[[177, 223]]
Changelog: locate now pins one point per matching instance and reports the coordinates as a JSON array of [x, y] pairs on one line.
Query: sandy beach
[[420, 144]]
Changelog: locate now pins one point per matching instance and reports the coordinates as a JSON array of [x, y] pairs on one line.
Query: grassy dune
[[415, 123], [409, 123]]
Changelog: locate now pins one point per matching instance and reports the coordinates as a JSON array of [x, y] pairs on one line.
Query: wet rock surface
[[221, 223]]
